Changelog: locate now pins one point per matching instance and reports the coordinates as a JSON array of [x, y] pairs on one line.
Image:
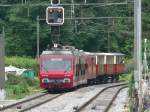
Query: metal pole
[[108, 38], [28, 11], [145, 59], [137, 50], [2, 65], [22, 1], [25, 2], [108, 42], [38, 34], [72, 8]]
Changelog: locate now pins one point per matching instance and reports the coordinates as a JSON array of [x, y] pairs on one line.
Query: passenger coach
[[109, 66]]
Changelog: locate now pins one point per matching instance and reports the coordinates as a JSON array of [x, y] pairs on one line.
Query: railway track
[[30, 103], [102, 101], [39, 101]]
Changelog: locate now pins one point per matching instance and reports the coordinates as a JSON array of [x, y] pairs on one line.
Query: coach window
[[82, 69], [110, 60], [121, 59], [77, 69], [100, 59]]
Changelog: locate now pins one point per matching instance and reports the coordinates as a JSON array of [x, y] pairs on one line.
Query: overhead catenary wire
[[89, 18], [68, 4]]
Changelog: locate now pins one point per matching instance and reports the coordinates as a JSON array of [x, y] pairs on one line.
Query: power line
[[68, 4], [88, 18], [94, 18]]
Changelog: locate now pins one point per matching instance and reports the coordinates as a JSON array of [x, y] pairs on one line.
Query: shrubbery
[[18, 87], [23, 62]]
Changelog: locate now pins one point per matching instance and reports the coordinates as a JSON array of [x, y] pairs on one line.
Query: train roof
[[69, 52], [56, 52], [110, 54], [62, 52], [88, 53]]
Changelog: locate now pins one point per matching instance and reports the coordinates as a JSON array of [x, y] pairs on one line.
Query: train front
[[56, 70]]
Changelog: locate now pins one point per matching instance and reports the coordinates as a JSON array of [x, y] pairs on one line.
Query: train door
[[76, 70]]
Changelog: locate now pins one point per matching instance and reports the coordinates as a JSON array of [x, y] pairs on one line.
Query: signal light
[[59, 10], [50, 10], [55, 16]]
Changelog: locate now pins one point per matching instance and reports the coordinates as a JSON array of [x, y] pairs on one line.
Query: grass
[[131, 92], [129, 78], [126, 76], [18, 87]]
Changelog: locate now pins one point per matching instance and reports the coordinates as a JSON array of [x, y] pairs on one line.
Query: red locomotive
[[68, 67]]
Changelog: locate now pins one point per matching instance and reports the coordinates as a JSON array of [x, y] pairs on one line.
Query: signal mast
[[55, 18]]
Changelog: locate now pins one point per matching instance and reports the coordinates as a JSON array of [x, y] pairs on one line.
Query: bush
[[18, 87], [23, 62], [126, 76], [32, 83]]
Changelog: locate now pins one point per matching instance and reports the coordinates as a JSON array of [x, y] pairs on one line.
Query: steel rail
[[93, 98], [28, 107], [23, 101], [113, 99], [38, 104]]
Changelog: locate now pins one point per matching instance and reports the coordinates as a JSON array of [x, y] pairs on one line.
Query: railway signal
[[55, 16], [55, 2]]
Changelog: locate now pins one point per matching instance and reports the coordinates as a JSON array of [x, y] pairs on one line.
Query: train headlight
[[66, 80], [45, 80]]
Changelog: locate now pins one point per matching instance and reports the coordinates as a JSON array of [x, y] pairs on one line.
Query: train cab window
[[56, 64]]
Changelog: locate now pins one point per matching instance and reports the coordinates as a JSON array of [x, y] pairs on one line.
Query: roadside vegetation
[[23, 62], [128, 76], [16, 86]]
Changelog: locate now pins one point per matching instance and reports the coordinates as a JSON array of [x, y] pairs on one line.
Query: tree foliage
[[95, 35]]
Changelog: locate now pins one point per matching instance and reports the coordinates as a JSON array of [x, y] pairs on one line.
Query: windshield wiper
[[45, 68], [67, 69]]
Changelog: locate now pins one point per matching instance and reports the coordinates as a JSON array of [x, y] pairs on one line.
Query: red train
[[68, 67]]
